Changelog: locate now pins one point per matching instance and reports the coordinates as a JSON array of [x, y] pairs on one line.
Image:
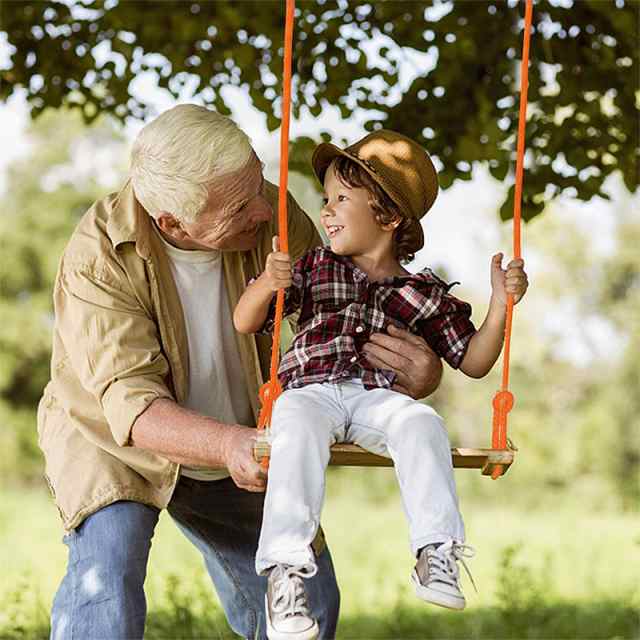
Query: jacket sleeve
[[112, 343]]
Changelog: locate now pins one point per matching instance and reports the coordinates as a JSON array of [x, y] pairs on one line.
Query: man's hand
[[418, 369], [239, 460], [189, 438]]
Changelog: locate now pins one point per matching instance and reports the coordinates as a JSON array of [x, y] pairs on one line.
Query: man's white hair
[[175, 157]]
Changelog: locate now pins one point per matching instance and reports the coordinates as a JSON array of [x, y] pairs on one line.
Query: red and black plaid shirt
[[339, 308]]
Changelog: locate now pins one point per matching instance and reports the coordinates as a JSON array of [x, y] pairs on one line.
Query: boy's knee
[[424, 427]]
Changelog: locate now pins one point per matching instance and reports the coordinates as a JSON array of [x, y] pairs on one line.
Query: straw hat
[[398, 164]]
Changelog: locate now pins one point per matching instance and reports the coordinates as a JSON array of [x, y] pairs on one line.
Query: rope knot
[[503, 401]]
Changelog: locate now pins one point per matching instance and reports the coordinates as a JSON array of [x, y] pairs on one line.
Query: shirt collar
[[426, 275], [129, 222]]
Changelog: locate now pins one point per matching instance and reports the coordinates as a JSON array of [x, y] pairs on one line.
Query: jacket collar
[[129, 222]]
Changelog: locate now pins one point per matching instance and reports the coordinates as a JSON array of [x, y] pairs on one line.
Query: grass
[[561, 572]]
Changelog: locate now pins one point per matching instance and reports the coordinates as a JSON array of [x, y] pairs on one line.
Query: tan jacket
[[119, 343]]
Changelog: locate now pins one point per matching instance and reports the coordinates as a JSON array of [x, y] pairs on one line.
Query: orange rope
[[272, 388], [504, 399]]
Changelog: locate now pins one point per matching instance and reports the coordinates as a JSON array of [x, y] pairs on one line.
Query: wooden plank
[[351, 455]]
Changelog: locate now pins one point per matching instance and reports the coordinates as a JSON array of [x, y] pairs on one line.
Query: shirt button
[[359, 329], [354, 359]]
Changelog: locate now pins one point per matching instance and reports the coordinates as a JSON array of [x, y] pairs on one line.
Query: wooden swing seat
[[351, 455]]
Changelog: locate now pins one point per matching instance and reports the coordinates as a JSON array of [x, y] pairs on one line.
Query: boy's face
[[349, 221]]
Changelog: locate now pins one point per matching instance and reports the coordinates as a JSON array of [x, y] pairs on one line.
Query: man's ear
[[170, 226]]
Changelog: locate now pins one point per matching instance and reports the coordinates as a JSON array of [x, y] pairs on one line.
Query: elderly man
[[153, 393]]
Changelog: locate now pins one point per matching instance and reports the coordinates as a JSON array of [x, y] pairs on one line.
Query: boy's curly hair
[[407, 236]]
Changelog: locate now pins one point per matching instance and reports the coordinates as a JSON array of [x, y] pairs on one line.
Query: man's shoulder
[[90, 239], [271, 192], [93, 252], [302, 233]]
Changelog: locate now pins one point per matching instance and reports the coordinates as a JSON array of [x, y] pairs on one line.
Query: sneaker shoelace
[[289, 595], [443, 562]]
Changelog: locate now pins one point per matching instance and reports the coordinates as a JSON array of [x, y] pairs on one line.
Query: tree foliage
[[444, 73]]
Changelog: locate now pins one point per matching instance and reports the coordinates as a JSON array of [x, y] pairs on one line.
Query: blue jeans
[[102, 594]]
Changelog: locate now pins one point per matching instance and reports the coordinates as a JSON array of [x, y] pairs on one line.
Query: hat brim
[[324, 154]]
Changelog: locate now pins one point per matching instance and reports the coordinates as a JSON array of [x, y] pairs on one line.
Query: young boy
[[375, 193]]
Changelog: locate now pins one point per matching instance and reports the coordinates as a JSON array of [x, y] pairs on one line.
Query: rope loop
[[503, 401], [269, 391]]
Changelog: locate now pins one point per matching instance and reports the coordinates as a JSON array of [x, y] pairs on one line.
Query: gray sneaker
[[436, 576], [288, 613]]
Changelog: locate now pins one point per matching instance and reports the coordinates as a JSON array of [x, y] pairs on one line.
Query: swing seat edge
[[351, 455]]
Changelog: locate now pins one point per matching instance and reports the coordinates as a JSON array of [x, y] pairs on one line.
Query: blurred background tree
[[443, 73]]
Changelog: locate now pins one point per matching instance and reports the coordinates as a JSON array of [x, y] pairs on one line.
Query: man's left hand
[[418, 369]]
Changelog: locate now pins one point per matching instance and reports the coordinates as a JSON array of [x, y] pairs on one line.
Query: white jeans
[[307, 421]]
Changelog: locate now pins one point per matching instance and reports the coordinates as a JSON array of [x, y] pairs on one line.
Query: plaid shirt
[[339, 308]]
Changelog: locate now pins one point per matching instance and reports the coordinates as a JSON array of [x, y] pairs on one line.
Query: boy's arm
[[252, 309], [485, 346]]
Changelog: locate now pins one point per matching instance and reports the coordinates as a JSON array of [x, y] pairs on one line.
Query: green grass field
[[553, 573]]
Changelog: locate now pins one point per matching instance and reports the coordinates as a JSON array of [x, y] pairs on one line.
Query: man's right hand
[[239, 460], [188, 438]]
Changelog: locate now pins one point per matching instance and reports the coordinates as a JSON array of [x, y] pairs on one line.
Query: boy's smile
[[333, 229]]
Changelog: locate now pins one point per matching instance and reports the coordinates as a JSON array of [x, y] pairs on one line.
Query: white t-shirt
[[217, 387]]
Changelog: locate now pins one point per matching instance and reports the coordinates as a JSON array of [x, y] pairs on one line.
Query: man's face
[[235, 209]]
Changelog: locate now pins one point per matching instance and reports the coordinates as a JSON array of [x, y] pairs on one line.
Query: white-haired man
[[153, 394]]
